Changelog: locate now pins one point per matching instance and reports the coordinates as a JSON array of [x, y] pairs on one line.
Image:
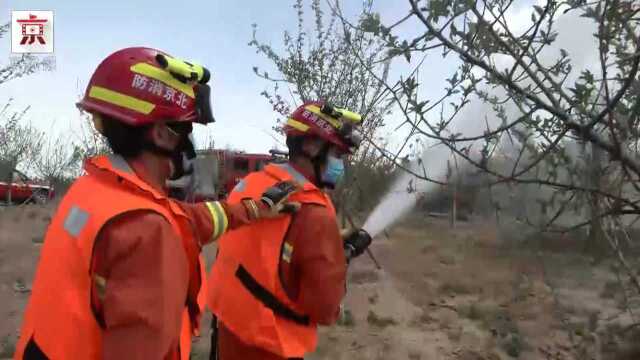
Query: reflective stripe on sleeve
[[219, 217]]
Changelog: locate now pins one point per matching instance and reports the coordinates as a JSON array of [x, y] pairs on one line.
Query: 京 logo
[[32, 32]]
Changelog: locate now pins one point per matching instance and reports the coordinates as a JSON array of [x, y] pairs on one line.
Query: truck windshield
[[241, 164]]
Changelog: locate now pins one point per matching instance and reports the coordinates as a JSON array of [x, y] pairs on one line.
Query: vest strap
[[268, 299]]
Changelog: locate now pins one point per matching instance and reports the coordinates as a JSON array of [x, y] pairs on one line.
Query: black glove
[[356, 243], [276, 196]]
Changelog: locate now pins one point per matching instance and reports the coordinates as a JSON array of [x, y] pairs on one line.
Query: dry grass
[[380, 321], [7, 347], [447, 320], [456, 286], [610, 289], [347, 319], [455, 333], [447, 259], [32, 214], [513, 345], [363, 277], [423, 319], [373, 299]]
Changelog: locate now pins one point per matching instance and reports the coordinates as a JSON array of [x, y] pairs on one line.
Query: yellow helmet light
[[183, 70]]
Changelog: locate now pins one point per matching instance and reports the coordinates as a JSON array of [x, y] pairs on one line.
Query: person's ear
[[162, 136]]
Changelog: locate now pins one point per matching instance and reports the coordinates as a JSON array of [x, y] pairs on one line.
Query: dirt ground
[[21, 232], [442, 293]]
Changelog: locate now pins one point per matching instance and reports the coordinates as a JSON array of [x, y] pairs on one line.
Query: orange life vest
[[59, 318], [245, 290]]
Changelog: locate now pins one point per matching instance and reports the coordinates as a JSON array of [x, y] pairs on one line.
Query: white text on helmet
[[319, 122], [158, 89]]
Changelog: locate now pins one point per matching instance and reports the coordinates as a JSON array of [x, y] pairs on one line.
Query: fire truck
[[218, 171], [25, 190]]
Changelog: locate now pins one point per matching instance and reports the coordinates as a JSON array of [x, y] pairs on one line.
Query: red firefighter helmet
[[323, 120], [140, 86]]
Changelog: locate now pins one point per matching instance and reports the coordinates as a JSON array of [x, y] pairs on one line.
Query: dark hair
[[294, 144], [125, 140]]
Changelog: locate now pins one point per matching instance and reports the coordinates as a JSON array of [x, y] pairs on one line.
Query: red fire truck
[[218, 171], [25, 190]]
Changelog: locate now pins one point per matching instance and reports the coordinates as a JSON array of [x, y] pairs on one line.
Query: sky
[[212, 33]]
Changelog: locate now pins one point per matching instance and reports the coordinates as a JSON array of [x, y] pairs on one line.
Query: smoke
[[575, 36]]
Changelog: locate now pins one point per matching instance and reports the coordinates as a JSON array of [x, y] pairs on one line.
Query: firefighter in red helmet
[[269, 296], [119, 272]]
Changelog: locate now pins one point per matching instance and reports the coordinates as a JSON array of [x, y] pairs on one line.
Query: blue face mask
[[334, 171]]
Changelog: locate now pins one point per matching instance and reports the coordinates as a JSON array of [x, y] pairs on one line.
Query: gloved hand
[[273, 202], [355, 243]]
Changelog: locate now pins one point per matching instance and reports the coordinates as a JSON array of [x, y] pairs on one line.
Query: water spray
[[407, 188]]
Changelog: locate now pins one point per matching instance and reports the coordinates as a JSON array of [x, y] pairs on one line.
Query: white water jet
[[407, 188], [405, 191], [395, 204]]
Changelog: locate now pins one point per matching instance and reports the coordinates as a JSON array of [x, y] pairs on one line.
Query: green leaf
[[394, 52], [587, 76], [371, 23], [538, 9], [438, 8], [454, 30]]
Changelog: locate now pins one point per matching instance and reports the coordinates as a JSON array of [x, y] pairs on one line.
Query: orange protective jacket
[[244, 288], [59, 320]]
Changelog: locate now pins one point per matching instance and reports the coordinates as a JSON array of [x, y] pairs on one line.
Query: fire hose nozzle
[[357, 243], [364, 233]]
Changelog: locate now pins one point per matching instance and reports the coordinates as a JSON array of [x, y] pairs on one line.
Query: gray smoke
[[575, 36]]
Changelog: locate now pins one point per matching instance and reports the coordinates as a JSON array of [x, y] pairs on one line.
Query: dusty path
[[442, 294]]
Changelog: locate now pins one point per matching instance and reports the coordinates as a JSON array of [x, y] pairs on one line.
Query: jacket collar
[[286, 172], [116, 168]]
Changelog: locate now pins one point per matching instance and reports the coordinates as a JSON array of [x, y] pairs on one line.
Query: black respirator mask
[[182, 157]]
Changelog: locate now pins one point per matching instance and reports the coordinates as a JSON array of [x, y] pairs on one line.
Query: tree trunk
[[454, 204], [596, 244], [8, 168]]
